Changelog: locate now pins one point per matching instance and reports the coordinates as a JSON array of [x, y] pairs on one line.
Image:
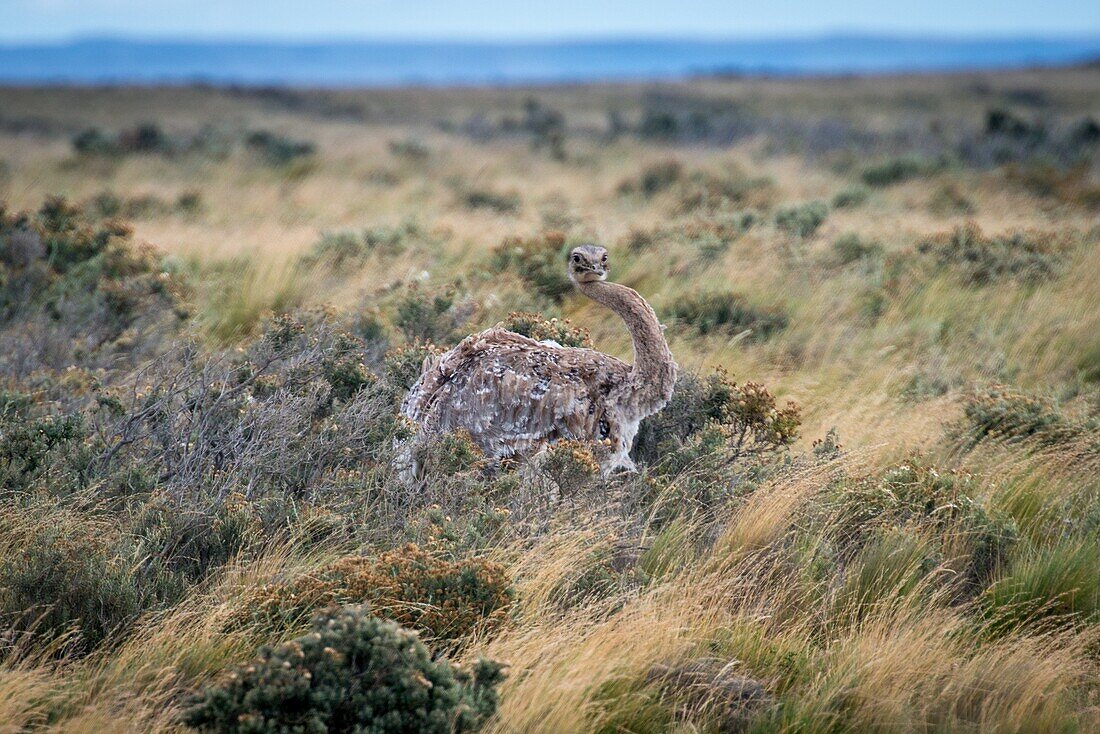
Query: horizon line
[[523, 40]]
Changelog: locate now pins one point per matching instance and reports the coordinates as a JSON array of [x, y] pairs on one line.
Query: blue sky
[[40, 20]]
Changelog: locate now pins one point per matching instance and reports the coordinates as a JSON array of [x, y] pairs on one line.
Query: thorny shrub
[[417, 588]]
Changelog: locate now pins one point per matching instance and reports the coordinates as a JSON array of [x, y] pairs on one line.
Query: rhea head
[[588, 264]]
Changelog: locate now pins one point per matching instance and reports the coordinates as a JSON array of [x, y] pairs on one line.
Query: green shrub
[[1004, 413], [431, 317], [83, 286], [893, 171], [276, 150], [410, 148], [654, 178], [402, 366], [146, 137], [802, 220], [351, 673], [63, 575], [501, 203], [851, 247], [851, 197], [93, 141], [728, 313], [1028, 257], [737, 419], [540, 261], [339, 250]]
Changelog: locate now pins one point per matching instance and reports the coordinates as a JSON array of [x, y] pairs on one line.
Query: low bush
[[851, 248], [410, 148], [895, 170], [727, 313], [340, 250], [556, 330], [746, 420], [499, 203], [62, 574], [277, 150], [145, 138], [851, 197], [802, 220], [980, 260], [915, 497], [654, 178], [351, 673], [76, 290], [1003, 413], [540, 261], [436, 318], [445, 599]]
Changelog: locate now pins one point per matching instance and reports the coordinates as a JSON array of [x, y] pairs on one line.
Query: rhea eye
[[604, 258], [576, 258]]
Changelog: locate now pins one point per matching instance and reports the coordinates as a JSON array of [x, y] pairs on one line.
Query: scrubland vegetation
[[872, 504]]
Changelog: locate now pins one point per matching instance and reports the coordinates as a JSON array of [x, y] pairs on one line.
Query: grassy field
[[195, 437]]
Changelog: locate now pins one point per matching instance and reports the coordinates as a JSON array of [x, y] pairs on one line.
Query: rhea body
[[515, 395]]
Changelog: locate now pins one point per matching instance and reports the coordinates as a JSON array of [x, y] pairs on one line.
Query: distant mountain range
[[389, 63]]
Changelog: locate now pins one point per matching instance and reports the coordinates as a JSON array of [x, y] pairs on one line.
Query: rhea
[[515, 395]]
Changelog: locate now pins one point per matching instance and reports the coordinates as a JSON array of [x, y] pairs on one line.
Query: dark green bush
[[410, 148], [64, 575], [851, 197], [146, 137], [851, 247], [276, 150], [893, 171], [1029, 257], [351, 673], [654, 178], [501, 203], [802, 220], [729, 313], [93, 141]]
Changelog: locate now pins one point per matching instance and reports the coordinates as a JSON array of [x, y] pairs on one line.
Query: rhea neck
[[654, 370]]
